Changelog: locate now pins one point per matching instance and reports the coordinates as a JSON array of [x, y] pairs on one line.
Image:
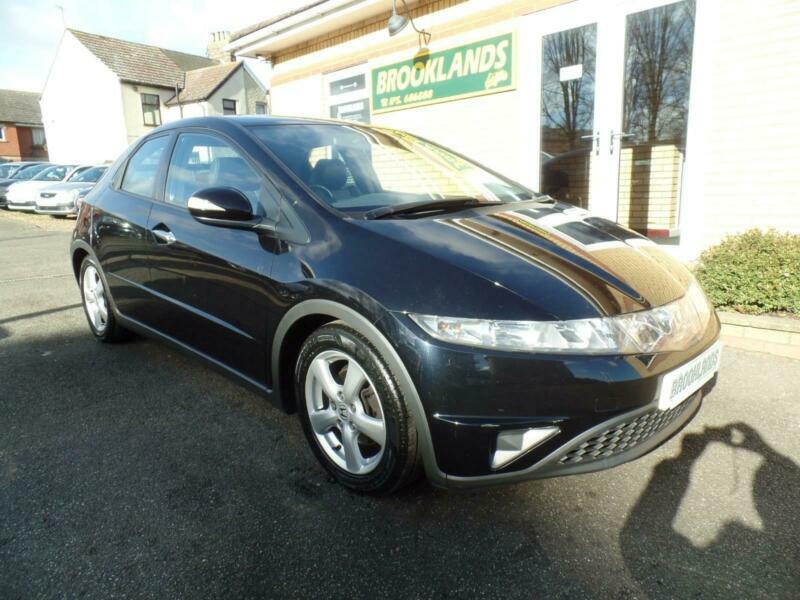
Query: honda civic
[[420, 313]]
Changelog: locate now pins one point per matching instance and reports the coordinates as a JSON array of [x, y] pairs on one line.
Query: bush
[[753, 272]]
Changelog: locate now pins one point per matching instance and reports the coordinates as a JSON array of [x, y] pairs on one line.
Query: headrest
[[330, 173]]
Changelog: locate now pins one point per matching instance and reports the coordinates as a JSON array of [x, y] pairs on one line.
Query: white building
[[103, 93], [226, 89], [685, 137]]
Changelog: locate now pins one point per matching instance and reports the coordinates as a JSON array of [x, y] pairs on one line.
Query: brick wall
[[18, 144], [10, 147], [649, 187]]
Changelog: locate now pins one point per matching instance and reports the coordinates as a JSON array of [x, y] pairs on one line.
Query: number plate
[[678, 385]]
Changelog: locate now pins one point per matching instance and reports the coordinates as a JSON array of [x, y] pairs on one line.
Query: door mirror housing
[[223, 207]]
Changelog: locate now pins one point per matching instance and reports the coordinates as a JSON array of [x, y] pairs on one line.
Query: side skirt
[[237, 376]]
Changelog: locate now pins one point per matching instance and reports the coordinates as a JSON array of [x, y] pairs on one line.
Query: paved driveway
[[131, 470]]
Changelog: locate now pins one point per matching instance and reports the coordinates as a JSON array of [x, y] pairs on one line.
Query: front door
[[613, 107], [209, 280]]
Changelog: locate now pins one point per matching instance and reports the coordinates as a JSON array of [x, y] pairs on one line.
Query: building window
[[261, 108], [151, 109], [37, 134], [2, 133], [228, 107]]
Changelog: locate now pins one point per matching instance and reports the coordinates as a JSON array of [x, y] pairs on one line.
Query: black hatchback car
[[419, 311]]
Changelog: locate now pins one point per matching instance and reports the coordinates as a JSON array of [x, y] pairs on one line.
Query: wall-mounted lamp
[[398, 22]]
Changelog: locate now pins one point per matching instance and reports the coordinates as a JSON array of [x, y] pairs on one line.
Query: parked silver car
[[13, 173], [65, 198], [23, 195]]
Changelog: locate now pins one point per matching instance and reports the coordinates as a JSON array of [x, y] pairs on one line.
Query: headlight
[[673, 326]]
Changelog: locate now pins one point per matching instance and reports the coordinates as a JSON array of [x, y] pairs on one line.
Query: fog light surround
[[514, 443]]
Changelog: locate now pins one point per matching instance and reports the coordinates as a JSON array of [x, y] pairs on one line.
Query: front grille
[[624, 436], [46, 195]]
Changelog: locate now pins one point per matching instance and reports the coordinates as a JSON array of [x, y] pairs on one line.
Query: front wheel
[[98, 311], [353, 413]]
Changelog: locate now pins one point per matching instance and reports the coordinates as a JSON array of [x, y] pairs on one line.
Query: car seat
[[332, 174]]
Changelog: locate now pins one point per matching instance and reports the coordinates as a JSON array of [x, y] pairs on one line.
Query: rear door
[[211, 281], [122, 241]]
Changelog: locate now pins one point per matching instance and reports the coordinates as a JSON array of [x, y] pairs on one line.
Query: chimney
[[216, 46]]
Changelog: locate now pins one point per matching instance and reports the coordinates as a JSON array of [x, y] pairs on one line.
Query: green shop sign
[[485, 67]]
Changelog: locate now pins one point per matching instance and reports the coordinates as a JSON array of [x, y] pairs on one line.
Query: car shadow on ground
[[38, 313]]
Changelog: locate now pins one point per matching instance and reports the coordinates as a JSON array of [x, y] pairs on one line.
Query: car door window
[[142, 171], [201, 161]]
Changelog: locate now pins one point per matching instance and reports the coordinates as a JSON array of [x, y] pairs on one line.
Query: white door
[[613, 106]]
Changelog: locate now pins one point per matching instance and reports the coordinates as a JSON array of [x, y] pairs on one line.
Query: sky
[[31, 29]]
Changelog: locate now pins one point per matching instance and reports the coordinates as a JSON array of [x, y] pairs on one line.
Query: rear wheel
[[352, 411], [98, 311]]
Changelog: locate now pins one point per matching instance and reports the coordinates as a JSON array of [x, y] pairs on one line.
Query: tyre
[[352, 412], [96, 306]]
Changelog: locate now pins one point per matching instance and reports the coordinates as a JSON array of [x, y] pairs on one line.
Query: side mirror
[[224, 207]]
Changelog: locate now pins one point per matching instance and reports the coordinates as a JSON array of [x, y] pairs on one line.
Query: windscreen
[[91, 175], [29, 172], [359, 169], [56, 173]]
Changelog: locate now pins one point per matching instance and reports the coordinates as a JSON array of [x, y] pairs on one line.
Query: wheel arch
[[79, 252], [288, 351], [301, 320]]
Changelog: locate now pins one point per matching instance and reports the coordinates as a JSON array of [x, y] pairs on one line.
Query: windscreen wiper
[[422, 206]]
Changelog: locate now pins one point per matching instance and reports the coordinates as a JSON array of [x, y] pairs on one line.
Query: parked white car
[[64, 198], [23, 195]]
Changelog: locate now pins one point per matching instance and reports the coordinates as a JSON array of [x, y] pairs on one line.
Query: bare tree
[[658, 70], [568, 106]]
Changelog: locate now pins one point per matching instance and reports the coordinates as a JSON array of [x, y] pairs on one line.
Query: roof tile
[[201, 83], [20, 107], [141, 63]]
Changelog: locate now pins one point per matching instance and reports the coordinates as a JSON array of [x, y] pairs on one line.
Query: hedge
[[753, 272]]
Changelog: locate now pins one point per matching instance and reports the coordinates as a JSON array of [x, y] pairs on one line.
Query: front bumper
[[609, 444], [606, 408], [29, 206], [64, 209]]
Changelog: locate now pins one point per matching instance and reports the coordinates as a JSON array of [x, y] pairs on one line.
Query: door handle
[[595, 137], [617, 134], [164, 236]]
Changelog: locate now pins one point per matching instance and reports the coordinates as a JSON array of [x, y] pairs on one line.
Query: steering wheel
[[323, 192]]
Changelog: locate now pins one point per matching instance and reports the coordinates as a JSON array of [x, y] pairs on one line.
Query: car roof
[[248, 121]]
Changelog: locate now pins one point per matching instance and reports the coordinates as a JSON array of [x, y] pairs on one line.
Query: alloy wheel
[[345, 412], [94, 298]]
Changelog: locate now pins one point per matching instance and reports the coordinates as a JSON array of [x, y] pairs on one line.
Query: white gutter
[[324, 18]]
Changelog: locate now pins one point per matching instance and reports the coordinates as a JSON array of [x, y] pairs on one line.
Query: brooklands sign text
[[484, 67]]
